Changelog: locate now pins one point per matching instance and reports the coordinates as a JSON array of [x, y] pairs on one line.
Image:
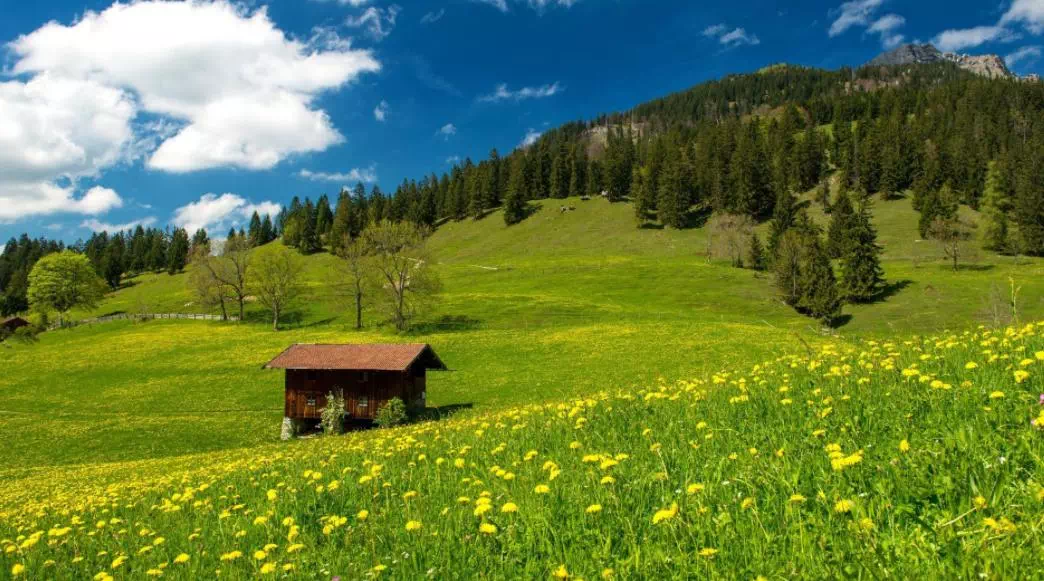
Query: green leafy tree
[[756, 254], [275, 279], [64, 281]]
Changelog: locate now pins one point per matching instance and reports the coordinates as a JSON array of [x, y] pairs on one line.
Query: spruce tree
[[755, 254], [514, 199], [783, 218], [254, 232], [842, 216], [820, 296], [937, 204], [577, 171], [177, 254], [340, 230], [862, 276], [642, 194], [268, 233]]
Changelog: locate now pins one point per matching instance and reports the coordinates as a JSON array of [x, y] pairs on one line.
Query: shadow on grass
[[840, 321], [446, 323], [442, 412], [975, 267], [891, 289]]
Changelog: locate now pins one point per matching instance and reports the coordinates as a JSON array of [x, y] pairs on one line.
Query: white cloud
[[1026, 53], [433, 17], [448, 130], [453, 159], [96, 225], [378, 22], [730, 38], [885, 28], [502, 93], [957, 39], [531, 137], [380, 112], [854, 13], [237, 90], [368, 175], [538, 5], [215, 213], [1029, 13]]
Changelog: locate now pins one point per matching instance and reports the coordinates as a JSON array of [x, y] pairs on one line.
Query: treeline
[[734, 145]]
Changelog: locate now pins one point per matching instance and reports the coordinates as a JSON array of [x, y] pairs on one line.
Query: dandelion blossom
[[182, 558], [413, 525], [17, 569], [593, 509], [708, 552], [488, 528], [1021, 376], [904, 446], [542, 489], [561, 572], [268, 568], [695, 488], [363, 515], [844, 506], [509, 507], [665, 514]]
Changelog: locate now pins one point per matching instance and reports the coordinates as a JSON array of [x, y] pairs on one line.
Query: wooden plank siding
[[364, 392]]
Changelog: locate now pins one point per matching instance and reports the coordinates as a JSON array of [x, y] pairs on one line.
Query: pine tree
[[593, 180], [267, 230], [177, 254], [309, 242], [254, 233], [670, 202], [937, 204], [784, 215], [820, 296], [642, 193], [996, 206], [842, 216], [862, 276], [323, 219], [340, 230], [514, 200], [577, 171], [755, 254]]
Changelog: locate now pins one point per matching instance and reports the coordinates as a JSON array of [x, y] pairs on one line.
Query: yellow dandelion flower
[[747, 503], [154, 572], [866, 525], [971, 365], [665, 514], [542, 489], [708, 552], [182, 558], [608, 573], [797, 498], [608, 480], [363, 514], [844, 506], [561, 572], [294, 548], [594, 508], [118, 561], [1021, 375], [488, 528], [509, 507], [904, 446], [413, 525], [231, 556], [997, 395], [695, 488], [260, 555], [459, 462], [272, 495], [979, 502], [268, 568], [17, 569]]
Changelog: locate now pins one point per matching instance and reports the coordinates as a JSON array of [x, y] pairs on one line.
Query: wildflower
[[154, 572], [272, 495], [844, 506], [608, 573], [118, 561], [1039, 355], [1021, 376], [459, 462], [979, 502], [695, 488], [866, 525], [413, 525], [971, 365], [363, 514], [268, 568], [260, 555], [1002, 526], [997, 395], [708, 552], [747, 503], [17, 569], [231, 556], [294, 548], [904, 446], [509, 507], [561, 572], [378, 568], [409, 495], [665, 514], [594, 508], [488, 528], [608, 480], [482, 509], [542, 489], [797, 498]]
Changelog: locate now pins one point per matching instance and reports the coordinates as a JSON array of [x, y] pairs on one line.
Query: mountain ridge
[[986, 65]]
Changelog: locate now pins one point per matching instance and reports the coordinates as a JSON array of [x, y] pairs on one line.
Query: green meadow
[[563, 304]]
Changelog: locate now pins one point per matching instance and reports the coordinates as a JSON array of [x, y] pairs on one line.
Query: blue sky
[[197, 114]]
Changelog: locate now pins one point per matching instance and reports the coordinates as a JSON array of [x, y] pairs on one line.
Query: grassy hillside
[[906, 458], [562, 304]]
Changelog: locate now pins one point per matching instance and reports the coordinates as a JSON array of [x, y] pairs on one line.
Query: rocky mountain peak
[[988, 65]]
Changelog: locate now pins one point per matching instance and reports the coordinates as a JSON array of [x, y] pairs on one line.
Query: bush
[[331, 417], [391, 414]]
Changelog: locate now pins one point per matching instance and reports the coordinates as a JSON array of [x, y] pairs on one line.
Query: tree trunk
[[224, 311], [358, 310], [240, 308], [275, 319]]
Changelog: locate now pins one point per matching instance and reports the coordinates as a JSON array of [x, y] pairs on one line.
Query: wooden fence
[[142, 317]]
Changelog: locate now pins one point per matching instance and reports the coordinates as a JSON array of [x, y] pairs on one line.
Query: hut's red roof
[[361, 357]]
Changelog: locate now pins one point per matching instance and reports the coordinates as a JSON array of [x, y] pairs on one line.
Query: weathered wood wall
[[364, 392]]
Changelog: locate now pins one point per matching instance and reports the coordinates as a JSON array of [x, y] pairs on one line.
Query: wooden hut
[[9, 326], [366, 375]]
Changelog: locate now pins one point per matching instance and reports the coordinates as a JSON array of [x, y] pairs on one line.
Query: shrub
[[391, 414], [331, 417]]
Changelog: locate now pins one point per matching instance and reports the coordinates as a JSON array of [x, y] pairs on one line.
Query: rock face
[[987, 65]]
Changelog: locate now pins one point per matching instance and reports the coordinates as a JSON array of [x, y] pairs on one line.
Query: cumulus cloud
[[368, 175], [433, 17], [448, 130], [957, 39], [1029, 13], [240, 94], [502, 93], [380, 112], [730, 38], [856, 13], [96, 225], [1027, 53], [215, 213], [530, 138], [378, 22]]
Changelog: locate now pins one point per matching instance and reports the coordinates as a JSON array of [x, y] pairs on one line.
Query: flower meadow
[[910, 458]]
